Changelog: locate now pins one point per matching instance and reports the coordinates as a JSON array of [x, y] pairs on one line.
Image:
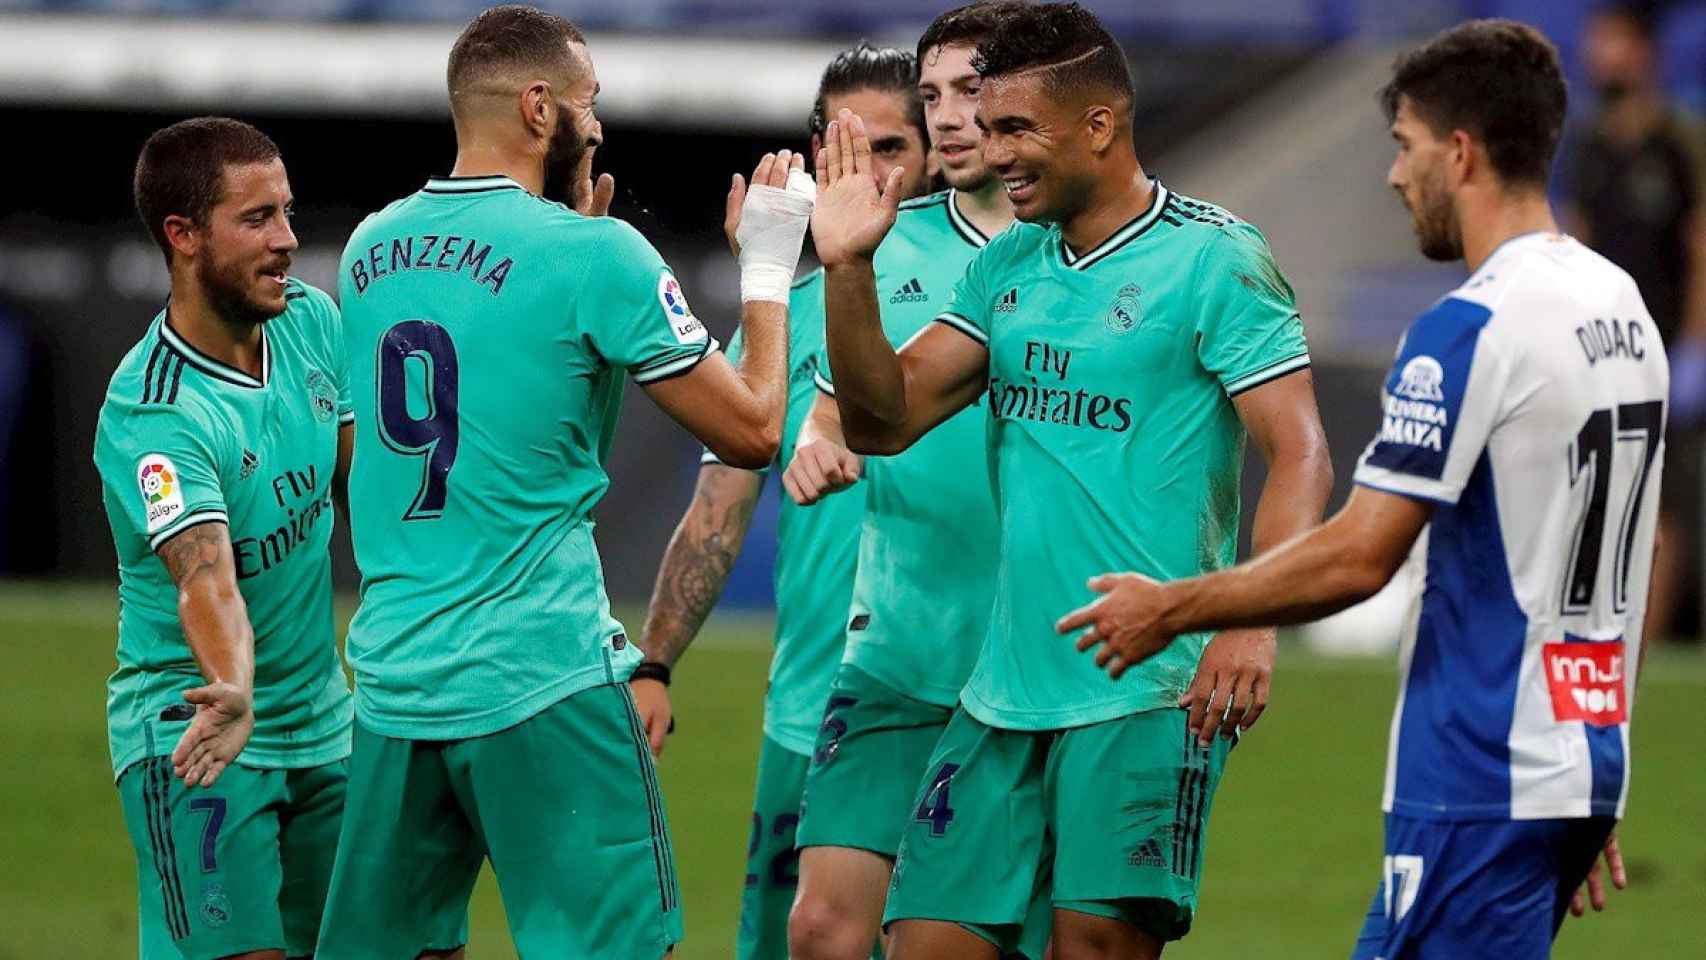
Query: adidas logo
[[1009, 302], [911, 292], [1147, 854], [250, 462]]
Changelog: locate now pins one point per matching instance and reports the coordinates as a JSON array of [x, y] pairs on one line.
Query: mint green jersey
[[488, 334], [928, 551], [1114, 439], [816, 547], [184, 440]]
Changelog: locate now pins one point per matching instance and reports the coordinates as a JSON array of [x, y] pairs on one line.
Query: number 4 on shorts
[[933, 808]]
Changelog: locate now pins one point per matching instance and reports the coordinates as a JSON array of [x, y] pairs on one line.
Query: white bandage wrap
[[772, 229]]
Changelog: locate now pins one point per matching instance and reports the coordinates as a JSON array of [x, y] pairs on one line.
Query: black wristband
[[651, 670]]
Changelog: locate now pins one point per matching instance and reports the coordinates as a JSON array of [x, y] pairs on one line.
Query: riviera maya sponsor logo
[[1415, 411], [162, 492], [323, 396], [1126, 312]]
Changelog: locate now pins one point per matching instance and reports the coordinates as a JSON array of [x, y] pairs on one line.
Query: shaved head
[[505, 48]]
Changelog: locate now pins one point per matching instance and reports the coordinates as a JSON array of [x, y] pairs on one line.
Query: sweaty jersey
[[928, 551], [184, 440], [1113, 437], [816, 547], [1528, 407], [488, 332]]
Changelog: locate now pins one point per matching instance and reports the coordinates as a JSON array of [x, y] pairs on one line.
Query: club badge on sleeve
[[162, 491]]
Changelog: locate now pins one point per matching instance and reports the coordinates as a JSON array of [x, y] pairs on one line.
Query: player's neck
[[489, 160], [987, 207], [235, 343], [1487, 226], [1115, 202]]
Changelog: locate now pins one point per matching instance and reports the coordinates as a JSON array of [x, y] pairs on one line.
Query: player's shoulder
[[1543, 276], [304, 300], [1209, 229], [150, 397]]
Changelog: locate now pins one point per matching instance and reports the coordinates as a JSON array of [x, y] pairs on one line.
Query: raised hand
[[224, 718], [819, 469], [1125, 623], [767, 225], [854, 212], [590, 200]]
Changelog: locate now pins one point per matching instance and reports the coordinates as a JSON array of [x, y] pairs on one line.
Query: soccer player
[[1126, 340], [893, 694], [1524, 433], [488, 329], [224, 436], [816, 547]]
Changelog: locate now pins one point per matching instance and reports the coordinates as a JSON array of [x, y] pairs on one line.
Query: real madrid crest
[[323, 395], [1126, 312]]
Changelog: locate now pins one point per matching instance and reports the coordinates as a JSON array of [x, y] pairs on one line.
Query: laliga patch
[[162, 491], [1586, 682], [682, 322]]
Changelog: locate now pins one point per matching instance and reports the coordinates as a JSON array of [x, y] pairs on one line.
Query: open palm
[[852, 214]]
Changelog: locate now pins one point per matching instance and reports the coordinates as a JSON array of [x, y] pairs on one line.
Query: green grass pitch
[[1293, 847]]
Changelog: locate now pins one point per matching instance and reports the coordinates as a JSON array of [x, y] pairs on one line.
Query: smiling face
[[1037, 145], [1420, 175], [950, 88], [242, 249]]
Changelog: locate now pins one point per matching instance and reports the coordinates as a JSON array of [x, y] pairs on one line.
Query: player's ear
[[182, 234], [536, 108], [817, 144], [1462, 155], [1099, 122]]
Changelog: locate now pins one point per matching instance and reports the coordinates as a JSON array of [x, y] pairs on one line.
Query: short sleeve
[[635, 313], [331, 323], [1248, 328], [163, 469], [1441, 401], [969, 307]]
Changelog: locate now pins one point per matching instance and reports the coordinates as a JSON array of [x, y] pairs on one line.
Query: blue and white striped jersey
[[1529, 407]]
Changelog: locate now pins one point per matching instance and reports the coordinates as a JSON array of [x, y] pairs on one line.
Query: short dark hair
[[1642, 18], [1497, 79], [181, 170], [1063, 39], [508, 37], [968, 25], [865, 67]]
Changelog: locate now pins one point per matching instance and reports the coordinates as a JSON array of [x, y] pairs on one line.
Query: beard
[[562, 155], [1436, 226], [227, 286]]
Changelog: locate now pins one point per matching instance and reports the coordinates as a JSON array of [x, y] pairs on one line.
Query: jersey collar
[[967, 230], [1157, 203], [216, 368], [470, 184]]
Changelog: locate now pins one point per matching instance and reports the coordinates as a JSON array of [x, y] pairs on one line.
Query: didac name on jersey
[[1415, 412]]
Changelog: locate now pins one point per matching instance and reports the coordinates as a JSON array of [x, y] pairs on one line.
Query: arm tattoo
[[698, 560], [194, 551]]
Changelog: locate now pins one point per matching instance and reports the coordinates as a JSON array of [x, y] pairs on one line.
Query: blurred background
[[1264, 106]]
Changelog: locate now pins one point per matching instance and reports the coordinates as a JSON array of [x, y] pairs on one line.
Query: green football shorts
[[772, 861], [871, 749], [242, 865], [1107, 819], [565, 804]]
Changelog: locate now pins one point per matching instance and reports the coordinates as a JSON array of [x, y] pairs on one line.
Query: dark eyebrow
[[889, 143], [267, 207]]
